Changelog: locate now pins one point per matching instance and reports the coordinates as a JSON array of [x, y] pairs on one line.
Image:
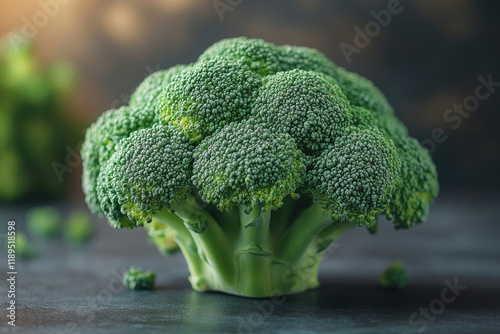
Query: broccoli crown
[[248, 124]]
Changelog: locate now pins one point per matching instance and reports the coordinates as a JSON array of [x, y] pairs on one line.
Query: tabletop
[[453, 260]]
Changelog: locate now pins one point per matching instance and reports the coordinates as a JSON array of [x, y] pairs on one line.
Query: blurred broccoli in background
[[24, 248], [44, 222], [136, 279], [33, 128], [79, 227], [395, 276]]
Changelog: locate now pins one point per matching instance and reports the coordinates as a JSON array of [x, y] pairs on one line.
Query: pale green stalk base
[[260, 258]]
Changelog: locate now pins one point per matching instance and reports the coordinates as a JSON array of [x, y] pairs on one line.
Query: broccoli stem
[[213, 244], [186, 245], [253, 253], [252, 262], [295, 241]]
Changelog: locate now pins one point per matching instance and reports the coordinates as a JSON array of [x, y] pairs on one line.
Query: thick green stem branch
[[295, 241], [254, 253], [186, 244], [213, 244]]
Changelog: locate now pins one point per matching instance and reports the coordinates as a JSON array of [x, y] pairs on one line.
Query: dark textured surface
[[68, 290]]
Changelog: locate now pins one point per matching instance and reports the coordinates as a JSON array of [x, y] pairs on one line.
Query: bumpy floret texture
[[249, 124], [355, 178], [100, 143], [150, 170], [303, 104], [245, 164], [207, 96], [146, 94]]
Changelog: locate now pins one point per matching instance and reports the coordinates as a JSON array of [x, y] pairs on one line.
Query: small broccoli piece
[[252, 162], [44, 222], [136, 279], [79, 227], [24, 249], [395, 276]]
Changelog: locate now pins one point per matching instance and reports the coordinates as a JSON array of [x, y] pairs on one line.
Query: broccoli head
[[252, 161]]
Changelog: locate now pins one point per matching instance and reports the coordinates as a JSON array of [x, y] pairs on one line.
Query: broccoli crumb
[[43, 222], [24, 249], [395, 276], [136, 279], [79, 227]]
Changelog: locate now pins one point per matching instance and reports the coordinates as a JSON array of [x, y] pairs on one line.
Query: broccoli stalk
[[249, 262], [253, 161]]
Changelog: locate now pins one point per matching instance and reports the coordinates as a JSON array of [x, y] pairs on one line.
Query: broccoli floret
[[150, 170], [79, 227], [207, 96], [315, 110], [146, 94], [101, 139], [24, 249], [136, 279], [44, 222], [252, 161], [395, 276], [236, 167], [354, 179]]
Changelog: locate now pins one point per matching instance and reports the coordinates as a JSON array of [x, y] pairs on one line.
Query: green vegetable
[[44, 222], [34, 130], [162, 237], [79, 227], [395, 276], [253, 161], [24, 248], [136, 279]]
